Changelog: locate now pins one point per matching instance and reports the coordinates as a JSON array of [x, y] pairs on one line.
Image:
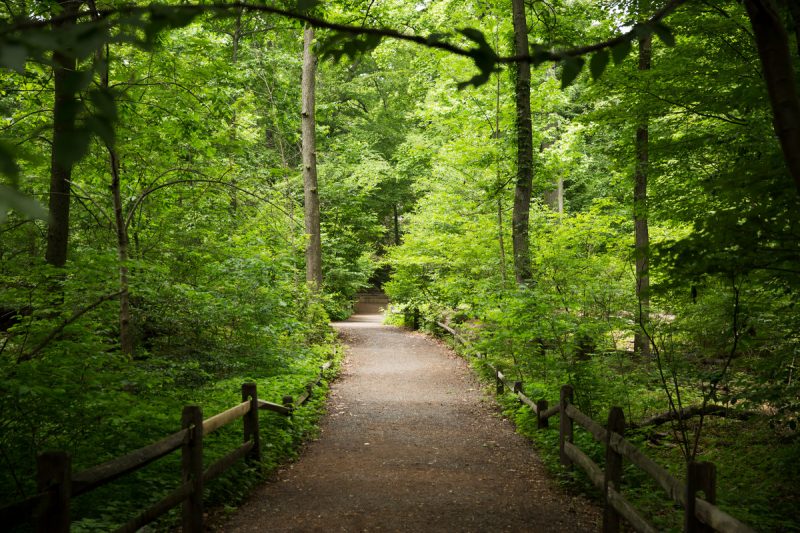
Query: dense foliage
[[723, 216], [206, 148], [184, 274]]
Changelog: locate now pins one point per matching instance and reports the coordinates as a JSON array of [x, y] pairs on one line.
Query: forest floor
[[411, 443]]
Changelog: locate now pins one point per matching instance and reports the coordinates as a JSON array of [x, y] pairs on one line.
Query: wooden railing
[[50, 508], [700, 514]]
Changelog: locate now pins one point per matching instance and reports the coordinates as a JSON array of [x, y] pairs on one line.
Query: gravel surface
[[411, 443]]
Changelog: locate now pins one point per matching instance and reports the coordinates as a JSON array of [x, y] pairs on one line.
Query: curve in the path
[[410, 443]]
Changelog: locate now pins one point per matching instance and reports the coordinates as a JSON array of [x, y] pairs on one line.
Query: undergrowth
[[110, 506], [757, 475]]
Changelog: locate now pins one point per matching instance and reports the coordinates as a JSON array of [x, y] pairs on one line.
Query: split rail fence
[[700, 514], [49, 509]]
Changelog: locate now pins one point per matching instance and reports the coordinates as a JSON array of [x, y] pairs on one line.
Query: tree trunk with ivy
[[520, 217]]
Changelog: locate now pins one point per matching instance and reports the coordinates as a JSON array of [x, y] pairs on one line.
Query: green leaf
[[103, 128], [483, 55], [103, 99], [8, 164], [164, 17], [476, 81], [620, 51], [473, 35], [303, 6], [539, 54], [571, 67], [13, 199], [641, 30], [664, 33], [598, 63], [14, 56], [437, 37], [72, 148]]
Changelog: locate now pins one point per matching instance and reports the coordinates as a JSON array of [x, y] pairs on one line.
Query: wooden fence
[[50, 508], [700, 514]]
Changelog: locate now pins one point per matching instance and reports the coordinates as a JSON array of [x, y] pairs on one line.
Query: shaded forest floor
[[411, 443]]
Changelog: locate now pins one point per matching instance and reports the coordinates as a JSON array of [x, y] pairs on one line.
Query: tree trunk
[[500, 239], [312, 218], [123, 242], [522, 191], [776, 61], [236, 37], [125, 333], [65, 109], [554, 197], [641, 344], [501, 242]]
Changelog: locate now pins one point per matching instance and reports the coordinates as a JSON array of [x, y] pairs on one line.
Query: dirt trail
[[411, 443]]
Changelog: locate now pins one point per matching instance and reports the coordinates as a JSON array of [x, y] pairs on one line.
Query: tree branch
[[432, 41], [56, 332], [153, 189], [692, 411]]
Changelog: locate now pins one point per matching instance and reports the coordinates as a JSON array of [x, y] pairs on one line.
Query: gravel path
[[410, 443]]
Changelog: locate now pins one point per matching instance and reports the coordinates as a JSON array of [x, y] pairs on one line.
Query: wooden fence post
[[192, 469], [249, 392], [700, 477], [54, 474], [288, 402], [541, 407], [613, 474], [565, 425]]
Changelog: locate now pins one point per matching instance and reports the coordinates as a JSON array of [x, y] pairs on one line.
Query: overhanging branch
[[433, 41]]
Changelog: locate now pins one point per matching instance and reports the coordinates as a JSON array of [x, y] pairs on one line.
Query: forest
[[601, 193]]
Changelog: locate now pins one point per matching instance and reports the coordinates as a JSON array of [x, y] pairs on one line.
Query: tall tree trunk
[[312, 218], [123, 242], [522, 192], [776, 61], [65, 109], [125, 331], [498, 174], [501, 241], [554, 197], [641, 344], [236, 38]]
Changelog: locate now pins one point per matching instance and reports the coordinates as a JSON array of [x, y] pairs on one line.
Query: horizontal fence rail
[[700, 514], [49, 509]]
